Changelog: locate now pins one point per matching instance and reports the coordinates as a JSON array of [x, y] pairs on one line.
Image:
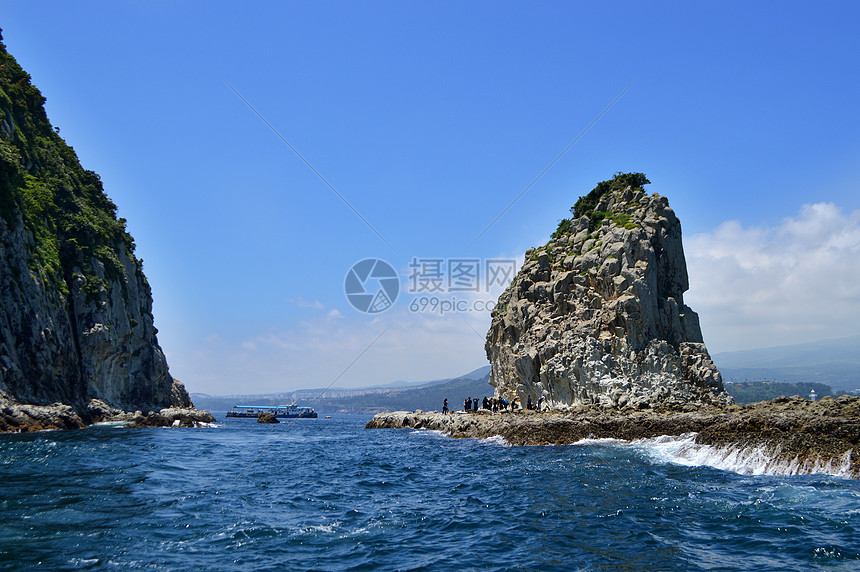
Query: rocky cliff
[[597, 316], [76, 318]]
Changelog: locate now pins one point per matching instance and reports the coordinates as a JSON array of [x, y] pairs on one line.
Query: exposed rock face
[[75, 308], [70, 349], [169, 417], [597, 315], [267, 417]]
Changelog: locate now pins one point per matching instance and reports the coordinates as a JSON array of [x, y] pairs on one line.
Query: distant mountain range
[[395, 396], [832, 362]]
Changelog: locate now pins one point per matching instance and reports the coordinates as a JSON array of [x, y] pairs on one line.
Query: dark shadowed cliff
[[76, 318]]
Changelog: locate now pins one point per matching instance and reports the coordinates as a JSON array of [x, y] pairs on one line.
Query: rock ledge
[[25, 418], [790, 430]]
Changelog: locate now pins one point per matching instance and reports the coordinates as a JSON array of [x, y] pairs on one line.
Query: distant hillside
[[750, 392], [832, 362], [391, 397], [426, 398], [479, 373]]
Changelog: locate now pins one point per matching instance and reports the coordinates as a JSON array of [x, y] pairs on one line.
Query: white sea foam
[[121, 424], [495, 440], [110, 424], [756, 460], [322, 528], [592, 441], [431, 432], [83, 562]]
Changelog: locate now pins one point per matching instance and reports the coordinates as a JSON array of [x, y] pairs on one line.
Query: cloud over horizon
[[759, 286]]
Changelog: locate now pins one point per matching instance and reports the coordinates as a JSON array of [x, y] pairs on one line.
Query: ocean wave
[[495, 440], [108, 424], [321, 529], [744, 460], [433, 432], [594, 441]]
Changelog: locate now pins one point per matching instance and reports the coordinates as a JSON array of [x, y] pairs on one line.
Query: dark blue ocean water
[[327, 494]]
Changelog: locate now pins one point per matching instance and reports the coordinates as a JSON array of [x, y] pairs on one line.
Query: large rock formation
[[597, 316], [76, 318]]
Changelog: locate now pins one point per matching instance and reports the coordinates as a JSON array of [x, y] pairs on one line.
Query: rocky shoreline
[[796, 436], [18, 418]]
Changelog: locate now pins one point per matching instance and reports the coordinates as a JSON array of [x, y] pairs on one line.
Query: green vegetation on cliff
[[76, 318], [587, 205], [43, 186]]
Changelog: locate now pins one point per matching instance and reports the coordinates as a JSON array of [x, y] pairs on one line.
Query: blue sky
[[429, 118]]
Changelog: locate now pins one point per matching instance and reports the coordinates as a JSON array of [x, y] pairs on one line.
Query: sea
[[327, 494]]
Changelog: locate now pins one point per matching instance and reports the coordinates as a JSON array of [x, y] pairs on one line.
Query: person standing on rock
[[445, 407], [467, 405], [529, 403], [475, 405]]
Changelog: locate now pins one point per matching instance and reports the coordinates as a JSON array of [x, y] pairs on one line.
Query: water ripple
[[329, 495]]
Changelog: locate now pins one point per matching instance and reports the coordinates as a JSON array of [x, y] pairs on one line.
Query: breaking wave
[[745, 460], [495, 440]]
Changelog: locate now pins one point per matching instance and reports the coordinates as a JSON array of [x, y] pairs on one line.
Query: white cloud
[[767, 286], [214, 340], [302, 303]]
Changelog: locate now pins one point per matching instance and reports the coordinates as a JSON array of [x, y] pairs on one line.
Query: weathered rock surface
[[168, 417], [75, 349], [805, 437], [24, 418], [266, 417], [17, 417], [597, 316], [76, 319]]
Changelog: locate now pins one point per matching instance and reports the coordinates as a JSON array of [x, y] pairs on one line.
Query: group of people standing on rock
[[494, 404]]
